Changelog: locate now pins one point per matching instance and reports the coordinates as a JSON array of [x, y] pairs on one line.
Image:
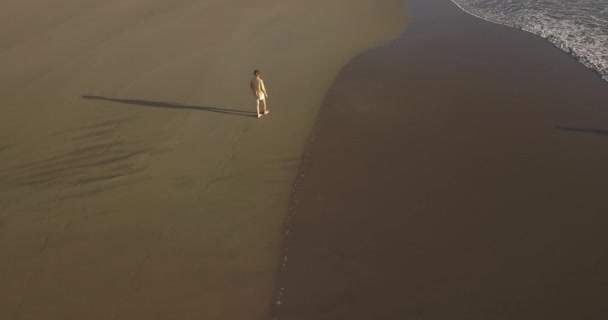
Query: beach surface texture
[[135, 180], [449, 168]]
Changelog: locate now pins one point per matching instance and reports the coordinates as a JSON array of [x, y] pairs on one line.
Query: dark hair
[[256, 72]]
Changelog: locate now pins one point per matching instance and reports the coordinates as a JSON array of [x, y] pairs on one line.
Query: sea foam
[[580, 28]]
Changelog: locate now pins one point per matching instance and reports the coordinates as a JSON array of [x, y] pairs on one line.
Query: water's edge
[[293, 202]]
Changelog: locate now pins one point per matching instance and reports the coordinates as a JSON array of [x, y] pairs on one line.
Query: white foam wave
[[580, 28]]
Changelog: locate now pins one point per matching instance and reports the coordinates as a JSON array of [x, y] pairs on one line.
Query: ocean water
[[579, 27]]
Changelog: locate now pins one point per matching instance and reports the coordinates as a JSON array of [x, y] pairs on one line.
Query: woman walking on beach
[[259, 91]]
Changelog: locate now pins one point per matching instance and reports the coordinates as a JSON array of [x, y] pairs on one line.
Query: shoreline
[[454, 172]]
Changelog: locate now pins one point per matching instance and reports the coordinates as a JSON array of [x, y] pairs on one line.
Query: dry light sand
[[135, 182]]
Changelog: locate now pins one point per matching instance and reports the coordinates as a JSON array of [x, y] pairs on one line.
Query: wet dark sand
[[459, 172]]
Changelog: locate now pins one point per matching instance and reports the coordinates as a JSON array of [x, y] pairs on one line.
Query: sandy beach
[[135, 181], [458, 172]]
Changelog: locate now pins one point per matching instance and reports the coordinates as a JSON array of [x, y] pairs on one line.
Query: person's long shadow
[[601, 132], [171, 105]]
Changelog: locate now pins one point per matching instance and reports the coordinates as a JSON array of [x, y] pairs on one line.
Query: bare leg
[[257, 106], [265, 110]]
